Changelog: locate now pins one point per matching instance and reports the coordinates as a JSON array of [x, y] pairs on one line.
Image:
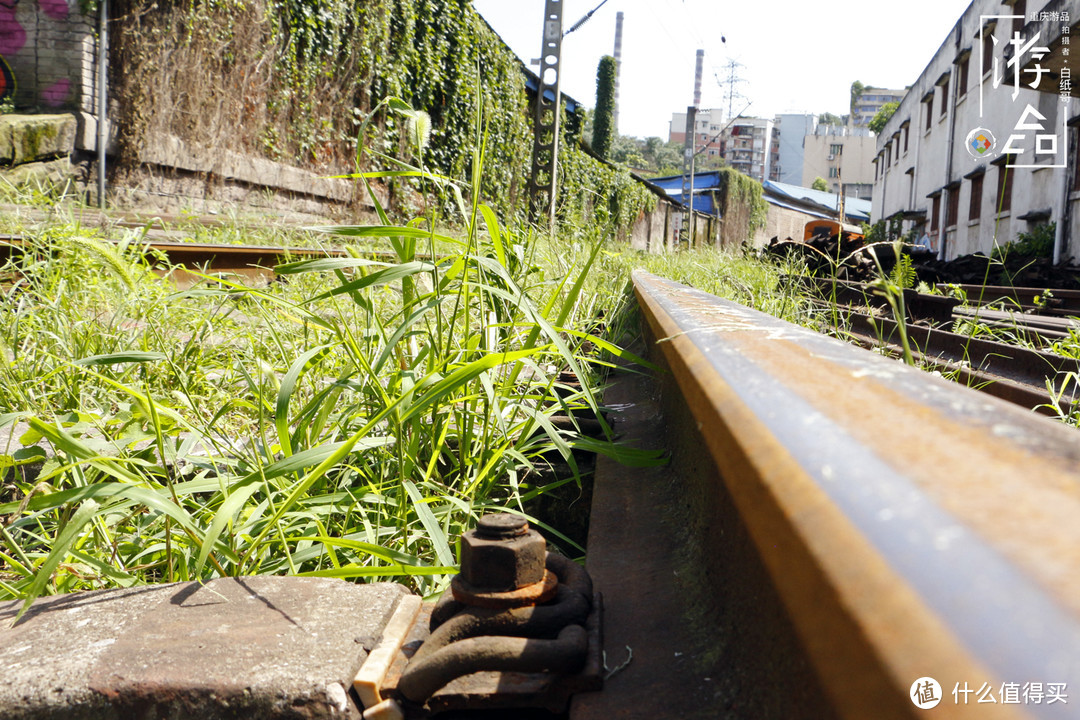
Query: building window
[[962, 77], [952, 208], [929, 103], [1019, 8], [888, 155], [907, 128], [988, 48], [935, 211], [1003, 198], [834, 172], [975, 206], [1076, 173], [944, 98], [836, 149]]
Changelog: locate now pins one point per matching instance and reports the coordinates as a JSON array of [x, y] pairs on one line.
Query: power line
[[585, 19]]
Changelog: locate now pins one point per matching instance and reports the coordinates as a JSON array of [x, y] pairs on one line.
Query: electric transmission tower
[[730, 84]]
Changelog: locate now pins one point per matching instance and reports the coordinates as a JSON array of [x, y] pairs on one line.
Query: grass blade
[[64, 540]]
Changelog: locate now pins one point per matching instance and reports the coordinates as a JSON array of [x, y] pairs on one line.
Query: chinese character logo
[[925, 693], [980, 142]]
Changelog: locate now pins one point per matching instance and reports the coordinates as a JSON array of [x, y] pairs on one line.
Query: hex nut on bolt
[[502, 554]]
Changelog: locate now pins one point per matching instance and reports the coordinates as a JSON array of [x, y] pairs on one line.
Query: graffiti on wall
[[13, 38]]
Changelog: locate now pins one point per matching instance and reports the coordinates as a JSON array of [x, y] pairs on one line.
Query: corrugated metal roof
[[854, 208], [702, 180]]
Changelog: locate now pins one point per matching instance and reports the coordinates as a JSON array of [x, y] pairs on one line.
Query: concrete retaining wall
[[658, 231], [35, 150]]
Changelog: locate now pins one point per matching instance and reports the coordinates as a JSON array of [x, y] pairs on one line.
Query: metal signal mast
[[686, 227], [544, 177]]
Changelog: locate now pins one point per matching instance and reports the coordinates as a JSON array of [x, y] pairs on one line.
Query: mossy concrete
[[30, 138]]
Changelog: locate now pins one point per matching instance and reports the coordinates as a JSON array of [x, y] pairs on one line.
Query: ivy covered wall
[[741, 202], [291, 80]]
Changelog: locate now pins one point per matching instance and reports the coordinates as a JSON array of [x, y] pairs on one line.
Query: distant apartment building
[[871, 100], [708, 125], [842, 156], [752, 145], [975, 154], [792, 128]]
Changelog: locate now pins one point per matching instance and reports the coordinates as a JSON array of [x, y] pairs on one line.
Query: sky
[[796, 55]]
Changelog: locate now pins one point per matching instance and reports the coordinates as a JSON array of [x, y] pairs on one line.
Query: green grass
[[350, 421]]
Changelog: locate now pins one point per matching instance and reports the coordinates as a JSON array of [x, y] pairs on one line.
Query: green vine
[[291, 80], [743, 200]]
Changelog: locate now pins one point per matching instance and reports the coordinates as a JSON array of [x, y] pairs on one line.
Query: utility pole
[[687, 225], [102, 98], [543, 181], [618, 66]]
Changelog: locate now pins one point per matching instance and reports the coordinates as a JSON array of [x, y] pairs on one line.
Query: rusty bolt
[[502, 554]]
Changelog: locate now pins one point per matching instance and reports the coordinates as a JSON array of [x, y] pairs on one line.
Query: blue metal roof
[[778, 193], [703, 201], [704, 184], [702, 181], [854, 208]]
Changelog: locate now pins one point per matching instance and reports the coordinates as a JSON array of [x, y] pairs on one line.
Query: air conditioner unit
[[832, 157]]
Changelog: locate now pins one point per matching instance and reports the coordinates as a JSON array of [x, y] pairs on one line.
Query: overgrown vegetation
[[882, 116], [1039, 243], [349, 422], [604, 118], [744, 206], [291, 80]]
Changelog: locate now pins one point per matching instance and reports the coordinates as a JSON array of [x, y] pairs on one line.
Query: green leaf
[[378, 551], [390, 274], [351, 571], [288, 387], [64, 540], [431, 524], [118, 358], [23, 456], [389, 231], [496, 235], [323, 264]]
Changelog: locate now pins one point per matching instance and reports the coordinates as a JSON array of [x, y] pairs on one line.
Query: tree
[[819, 184], [877, 123], [829, 119], [604, 118], [857, 89], [627, 151]]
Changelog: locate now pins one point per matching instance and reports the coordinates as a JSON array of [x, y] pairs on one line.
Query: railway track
[[250, 264], [908, 527], [1015, 364]]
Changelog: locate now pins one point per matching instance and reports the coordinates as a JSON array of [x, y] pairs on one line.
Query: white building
[[793, 128], [843, 156], [871, 100], [971, 164], [751, 146]]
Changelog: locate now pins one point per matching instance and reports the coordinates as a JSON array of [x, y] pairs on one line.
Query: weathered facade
[[974, 155], [871, 100], [843, 156]]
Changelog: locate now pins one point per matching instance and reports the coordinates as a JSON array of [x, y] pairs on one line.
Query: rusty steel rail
[[912, 527], [1051, 301], [1004, 370], [247, 263]]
